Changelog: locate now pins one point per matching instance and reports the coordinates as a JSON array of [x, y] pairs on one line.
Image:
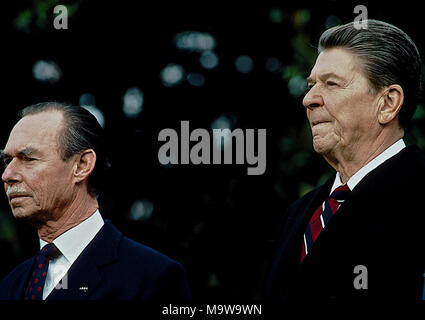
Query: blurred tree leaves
[[7, 231], [415, 133]]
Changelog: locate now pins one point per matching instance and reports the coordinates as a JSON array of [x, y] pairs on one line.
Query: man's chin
[[323, 145], [27, 217], [320, 148]]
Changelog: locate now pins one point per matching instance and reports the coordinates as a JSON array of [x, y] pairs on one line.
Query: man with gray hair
[[54, 170], [360, 235]]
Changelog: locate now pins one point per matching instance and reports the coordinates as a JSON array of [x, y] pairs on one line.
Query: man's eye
[[331, 83], [28, 159]]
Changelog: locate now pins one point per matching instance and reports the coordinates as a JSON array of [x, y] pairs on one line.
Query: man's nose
[[11, 174], [313, 99]]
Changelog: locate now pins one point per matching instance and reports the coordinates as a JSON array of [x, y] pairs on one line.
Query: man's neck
[[352, 161], [77, 212]]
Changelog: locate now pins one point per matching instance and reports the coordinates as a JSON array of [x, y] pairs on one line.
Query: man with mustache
[[360, 235], [54, 169]]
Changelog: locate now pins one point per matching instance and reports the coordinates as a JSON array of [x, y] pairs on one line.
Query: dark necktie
[[38, 276], [321, 217]]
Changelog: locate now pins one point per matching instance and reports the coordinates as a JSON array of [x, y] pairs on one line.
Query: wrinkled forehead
[[39, 131], [338, 61]]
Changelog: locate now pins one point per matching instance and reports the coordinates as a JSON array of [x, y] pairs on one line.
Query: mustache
[[14, 189]]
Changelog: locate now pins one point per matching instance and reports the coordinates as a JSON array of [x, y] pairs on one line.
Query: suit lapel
[[296, 224], [349, 216], [307, 213], [82, 278], [287, 256], [85, 276], [352, 212]]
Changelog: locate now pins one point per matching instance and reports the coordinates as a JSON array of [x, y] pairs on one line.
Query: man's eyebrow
[[324, 76], [24, 152]]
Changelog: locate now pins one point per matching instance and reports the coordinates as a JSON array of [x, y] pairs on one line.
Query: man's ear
[[84, 165], [390, 104]]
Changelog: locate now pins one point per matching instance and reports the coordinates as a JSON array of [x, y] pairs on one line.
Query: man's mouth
[[314, 123], [18, 195]]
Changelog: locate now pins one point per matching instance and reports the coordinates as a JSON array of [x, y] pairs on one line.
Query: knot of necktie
[[49, 251], [340, 193]]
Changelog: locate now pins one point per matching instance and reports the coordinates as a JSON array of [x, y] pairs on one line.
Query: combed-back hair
[[387, 55]]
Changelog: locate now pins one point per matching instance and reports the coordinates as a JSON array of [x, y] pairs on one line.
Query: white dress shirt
[[71, 243], [378, 160]]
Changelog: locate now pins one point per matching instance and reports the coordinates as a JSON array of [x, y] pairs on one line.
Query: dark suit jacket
[[111, 267], [379, 226]]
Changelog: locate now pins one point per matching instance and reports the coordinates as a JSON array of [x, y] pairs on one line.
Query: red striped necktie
[[321, 217]]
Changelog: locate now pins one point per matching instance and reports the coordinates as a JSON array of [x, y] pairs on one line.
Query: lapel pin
[[84, 289]]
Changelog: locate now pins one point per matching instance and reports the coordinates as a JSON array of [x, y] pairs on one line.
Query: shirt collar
[[72, 242], [375, 162]]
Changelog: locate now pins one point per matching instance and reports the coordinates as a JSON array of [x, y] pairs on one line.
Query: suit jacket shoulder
[[158, 276], [15, 282]]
